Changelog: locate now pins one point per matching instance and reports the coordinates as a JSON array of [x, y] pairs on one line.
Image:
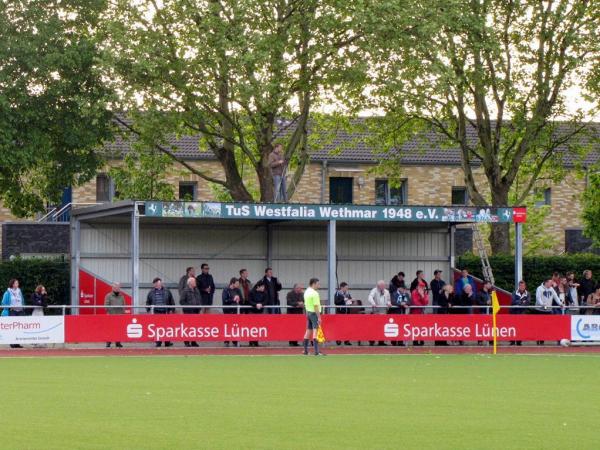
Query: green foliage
[[490, 78], [591, 208], [53, 112], [227, 72], [31, 272], [142, 176], [535, 268]]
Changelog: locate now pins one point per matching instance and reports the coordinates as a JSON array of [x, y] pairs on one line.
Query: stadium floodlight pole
[[331, 260], [518, 253], [135, 256]]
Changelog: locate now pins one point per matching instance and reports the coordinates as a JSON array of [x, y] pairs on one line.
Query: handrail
[[55, 212]]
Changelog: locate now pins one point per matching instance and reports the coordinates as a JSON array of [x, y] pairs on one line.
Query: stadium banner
[[32, 330], [269, 211], [585, 328], [272, 327]]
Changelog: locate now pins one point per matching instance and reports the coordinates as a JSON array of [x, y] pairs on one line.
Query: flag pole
[[495, 309]]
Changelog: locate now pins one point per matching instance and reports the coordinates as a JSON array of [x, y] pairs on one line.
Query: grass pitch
[[335, 402]]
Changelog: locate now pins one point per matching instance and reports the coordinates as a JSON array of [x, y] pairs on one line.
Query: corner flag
[[320, 335], [495, 309]]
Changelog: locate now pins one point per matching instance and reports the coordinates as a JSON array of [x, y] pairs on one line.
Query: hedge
[[52, 273], [535, 268]]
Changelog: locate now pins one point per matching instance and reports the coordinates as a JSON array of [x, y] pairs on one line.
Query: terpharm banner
[[333, 212], [258, 327], [32, 330], [585, 328]]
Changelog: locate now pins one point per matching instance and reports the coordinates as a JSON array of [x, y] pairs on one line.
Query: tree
[[491, 78], [53, 113], [228, 71], [591, 208]]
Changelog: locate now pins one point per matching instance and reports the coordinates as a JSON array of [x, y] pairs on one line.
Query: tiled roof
[[355, 145]]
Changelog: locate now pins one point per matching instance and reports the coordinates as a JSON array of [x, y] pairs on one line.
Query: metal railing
[[366, 309], [60, 214]]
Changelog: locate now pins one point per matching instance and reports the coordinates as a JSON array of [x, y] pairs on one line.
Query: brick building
[[343, 173]]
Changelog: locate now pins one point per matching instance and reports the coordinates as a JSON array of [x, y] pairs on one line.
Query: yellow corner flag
[[495, 309], [320, 335]]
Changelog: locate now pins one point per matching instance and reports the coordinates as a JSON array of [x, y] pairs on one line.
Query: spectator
[[257, 301], [484, 298], [13, 303], [342, 299], [39, 301], [586, 287], [593, 301], [206, 286], [191, 298], [545, 296], [465, 279], [555, 279], [467, 300], [183, 281], [418, 299], [419, 281], [397, 282], [445, 302], [295, 303], [521, 298], [277, 164], [232, 296], [437, 287], [245, 287], [573, 294], [379, 299], [272, 288], [113, 303], [160, 301], [562, 290]]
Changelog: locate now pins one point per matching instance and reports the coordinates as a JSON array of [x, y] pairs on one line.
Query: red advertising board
[[248, 327], [92, 292]]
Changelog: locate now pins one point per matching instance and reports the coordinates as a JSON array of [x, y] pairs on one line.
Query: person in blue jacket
[[465, 279], [13, 302]]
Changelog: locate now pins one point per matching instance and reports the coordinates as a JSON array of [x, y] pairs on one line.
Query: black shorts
[[312, 322]]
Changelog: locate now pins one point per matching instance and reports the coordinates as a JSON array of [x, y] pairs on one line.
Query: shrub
[[535, 268], [52, 273]]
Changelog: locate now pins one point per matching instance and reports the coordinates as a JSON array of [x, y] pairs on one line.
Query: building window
[[459, 195], [188, 190], [103, 188], [387, 195], [546, 199], [340, 190]]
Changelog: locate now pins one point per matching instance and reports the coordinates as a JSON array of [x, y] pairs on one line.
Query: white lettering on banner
[[585, 328], [181, 331], [477, 331], [32, 330]]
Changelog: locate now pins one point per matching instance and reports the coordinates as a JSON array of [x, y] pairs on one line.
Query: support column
[[135, 259], [269, 245], [331, 261], [518, 253], [452, 244], [75, 263]]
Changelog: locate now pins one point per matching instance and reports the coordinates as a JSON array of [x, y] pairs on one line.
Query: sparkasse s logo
[[134, 330], [391, 329]]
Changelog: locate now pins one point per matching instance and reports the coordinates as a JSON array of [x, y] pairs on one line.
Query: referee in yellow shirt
[[312, 304]]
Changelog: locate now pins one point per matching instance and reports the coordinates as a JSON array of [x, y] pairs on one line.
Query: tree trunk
[[499, 232], [265, 181], [233, 180]]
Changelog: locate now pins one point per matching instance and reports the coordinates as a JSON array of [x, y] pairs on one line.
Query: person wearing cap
[[160, 301]]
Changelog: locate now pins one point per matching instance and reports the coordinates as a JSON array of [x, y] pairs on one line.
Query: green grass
[[345, 402]]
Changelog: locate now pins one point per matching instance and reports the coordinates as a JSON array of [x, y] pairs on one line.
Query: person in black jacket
[[295, 303], [39, 299], [397, 282], [232, 296], [257, 301], [586, 287], [161, 301], [343, 298], [437, 286], [419, 280], [190, 296], [206, 286], [272, 288]]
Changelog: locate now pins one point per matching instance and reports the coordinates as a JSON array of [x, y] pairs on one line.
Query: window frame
[[193, 185], [466, 195], [403, 190]]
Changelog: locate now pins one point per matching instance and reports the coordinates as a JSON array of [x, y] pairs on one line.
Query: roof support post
[[518, 253], [135, 259], [75, 262], [331, 261]]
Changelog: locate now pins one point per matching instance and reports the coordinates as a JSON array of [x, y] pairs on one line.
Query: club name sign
[[334, 212]]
